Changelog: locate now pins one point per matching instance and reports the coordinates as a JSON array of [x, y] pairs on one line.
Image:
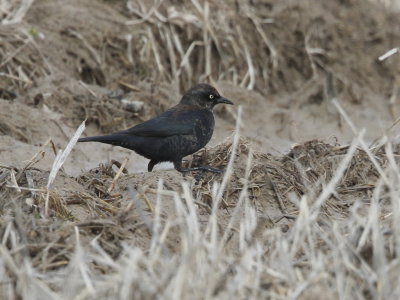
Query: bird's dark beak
[[223, 100]]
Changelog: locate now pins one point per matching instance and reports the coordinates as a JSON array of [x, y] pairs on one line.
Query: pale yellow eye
[[211, 96]]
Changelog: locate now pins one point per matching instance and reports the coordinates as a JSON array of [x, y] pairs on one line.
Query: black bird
[[174, 134]]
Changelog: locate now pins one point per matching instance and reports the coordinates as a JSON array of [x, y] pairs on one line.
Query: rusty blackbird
[[174, 134]]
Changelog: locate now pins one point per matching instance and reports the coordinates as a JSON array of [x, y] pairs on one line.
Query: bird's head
[[203, 96]]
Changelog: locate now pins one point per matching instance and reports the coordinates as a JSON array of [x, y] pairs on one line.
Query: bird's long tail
[[112, 139]]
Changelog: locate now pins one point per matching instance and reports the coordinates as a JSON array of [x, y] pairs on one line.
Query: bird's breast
[[178, 146], [204, 127]]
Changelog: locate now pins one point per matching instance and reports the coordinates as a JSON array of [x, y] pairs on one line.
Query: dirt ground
[[284, 62]]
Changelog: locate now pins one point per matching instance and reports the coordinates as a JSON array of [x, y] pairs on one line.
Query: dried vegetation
[[318, 221], [336, 220]]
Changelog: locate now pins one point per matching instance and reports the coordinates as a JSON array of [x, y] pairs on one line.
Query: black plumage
[[174, 134]]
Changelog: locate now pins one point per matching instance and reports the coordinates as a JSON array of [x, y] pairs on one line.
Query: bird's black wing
[[167, 124]]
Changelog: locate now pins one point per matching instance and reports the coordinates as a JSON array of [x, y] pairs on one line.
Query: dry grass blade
[[85, 42], [361, 141], [155, 52], [12, 55], [63, 155], [120, 170], [59, 161], [87, 88], [266, 40], [251, 70], [206, 40], [344, 164], [144, 17], [14, 181], [35, 158], [239, 206], [14, 12], [185, 59], [33, 190], [229, 167], [27, 81], [388, 54]]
